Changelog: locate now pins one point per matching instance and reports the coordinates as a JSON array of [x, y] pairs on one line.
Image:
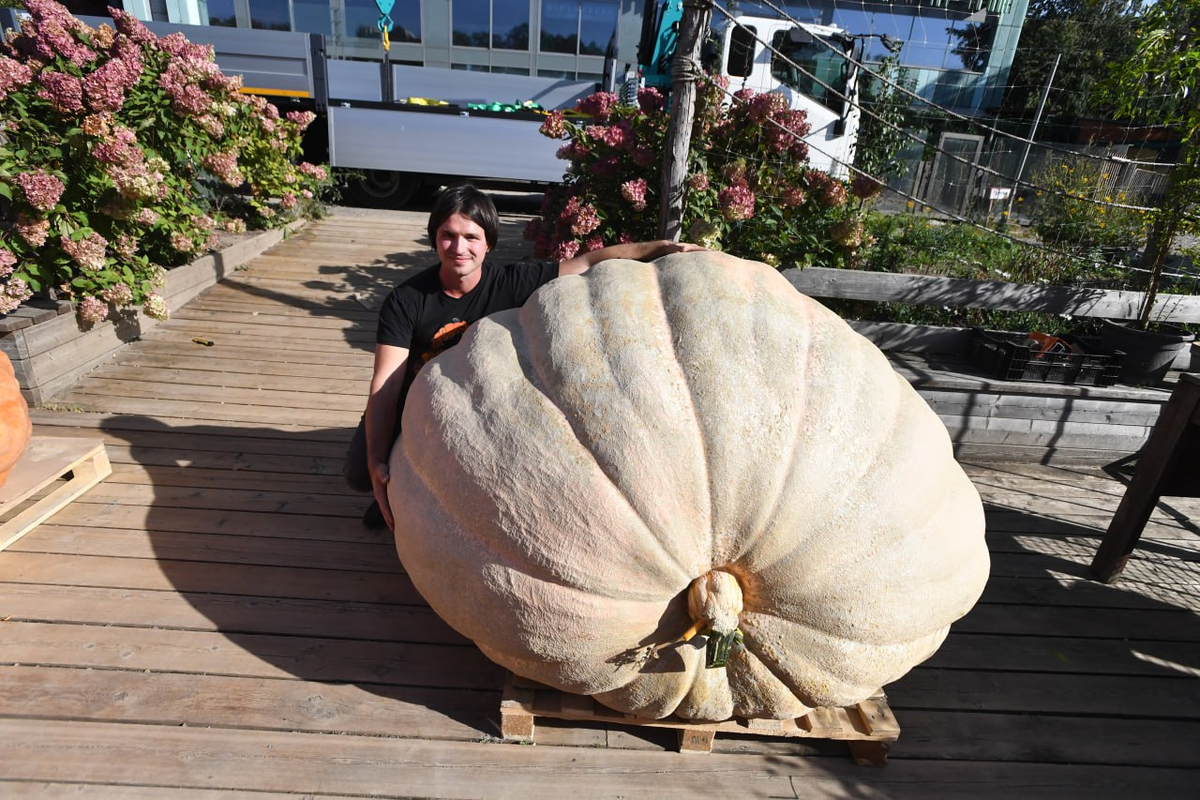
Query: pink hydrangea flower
[[92, 310], [635, 193], [834, 194], [288, 201], [586, 220], [125, 246], [301, 119], [592, 243], [554, 126], [33, 231], [182, 242], [8, 262], [131, 26], [50, 32], [698, 181], [225, 166], [64, 92], [787, 133], [87, 252], [155, 307], [736, 201], [793, 196], [41, 189], [848, 233], [565, 250], [119, 294], [13, 75], [106, 87], [599, 105], [13, 293], [314, 171], [650, 99]]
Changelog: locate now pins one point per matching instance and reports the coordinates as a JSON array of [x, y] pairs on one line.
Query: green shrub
[[122, 153], [750, 191]]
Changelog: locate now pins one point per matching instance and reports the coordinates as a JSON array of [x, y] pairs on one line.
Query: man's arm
[[636, 251], [387, 382]]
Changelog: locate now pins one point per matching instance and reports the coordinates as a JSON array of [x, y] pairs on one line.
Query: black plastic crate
[[1007, 356]]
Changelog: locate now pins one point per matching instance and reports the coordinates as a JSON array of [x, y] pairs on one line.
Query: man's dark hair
[[473, 204]]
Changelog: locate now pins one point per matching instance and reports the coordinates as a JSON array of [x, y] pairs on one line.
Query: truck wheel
[[382, 188]]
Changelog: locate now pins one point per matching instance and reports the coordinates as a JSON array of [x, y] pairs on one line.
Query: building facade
[[958, 51]]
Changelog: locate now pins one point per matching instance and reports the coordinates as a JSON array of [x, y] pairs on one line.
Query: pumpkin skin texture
[[15, 427], [646, 439]]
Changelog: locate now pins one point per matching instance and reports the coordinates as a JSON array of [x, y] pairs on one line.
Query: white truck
[[376, 122], [814, 66]]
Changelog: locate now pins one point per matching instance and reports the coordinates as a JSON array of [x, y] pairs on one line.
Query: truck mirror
[[799, 36]]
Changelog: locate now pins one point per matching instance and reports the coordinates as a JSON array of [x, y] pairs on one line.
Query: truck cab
[[813, 66]]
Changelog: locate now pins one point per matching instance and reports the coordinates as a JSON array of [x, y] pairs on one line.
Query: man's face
[[461, 246]]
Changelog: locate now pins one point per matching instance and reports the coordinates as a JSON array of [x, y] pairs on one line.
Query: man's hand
[[379, 481]]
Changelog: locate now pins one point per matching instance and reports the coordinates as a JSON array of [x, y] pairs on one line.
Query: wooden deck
[[212, 619]]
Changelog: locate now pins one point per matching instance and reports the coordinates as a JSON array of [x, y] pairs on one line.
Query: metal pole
[[1037, 118]]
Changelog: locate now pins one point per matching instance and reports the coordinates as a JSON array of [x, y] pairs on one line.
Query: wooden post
[[684, 68]]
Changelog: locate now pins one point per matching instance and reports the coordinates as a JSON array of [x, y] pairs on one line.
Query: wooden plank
[[266, 704], [137, 425], [197, 577], [1165, 698], [198, 758], [995, 295], [57, 470], [308, 620], [402, 661]]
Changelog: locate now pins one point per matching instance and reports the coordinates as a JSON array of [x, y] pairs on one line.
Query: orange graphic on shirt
[[446, 337]]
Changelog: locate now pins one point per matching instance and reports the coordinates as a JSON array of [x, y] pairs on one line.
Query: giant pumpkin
[[684, 447], [15, 427]]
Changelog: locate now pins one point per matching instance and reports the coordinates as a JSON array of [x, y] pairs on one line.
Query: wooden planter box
[[48, 350]]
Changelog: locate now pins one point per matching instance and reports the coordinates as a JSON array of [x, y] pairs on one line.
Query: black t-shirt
[[418, 316]]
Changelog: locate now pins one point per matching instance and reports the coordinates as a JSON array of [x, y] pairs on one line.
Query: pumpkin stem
[[714, 601], [715, 598]]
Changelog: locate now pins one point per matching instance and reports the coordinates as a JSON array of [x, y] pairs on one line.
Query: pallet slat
[[78, 463]]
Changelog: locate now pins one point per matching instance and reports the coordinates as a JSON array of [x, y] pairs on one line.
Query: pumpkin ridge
[[534, 361], [746, 541], [505, 551], [831, 508]]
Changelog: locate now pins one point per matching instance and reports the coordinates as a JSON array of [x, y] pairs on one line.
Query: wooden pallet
[[869, 728], [75, 465]]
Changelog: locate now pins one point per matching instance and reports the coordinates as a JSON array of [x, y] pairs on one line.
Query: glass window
[[220, 12], [361, 16], [510, 24], [810, 68], [312, 16], [597, 24], [560, 26], [741, 51], [272, 15], [471, 22]]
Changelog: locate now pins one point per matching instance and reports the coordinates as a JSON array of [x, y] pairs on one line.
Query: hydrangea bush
[[750, 190], [122, 153]]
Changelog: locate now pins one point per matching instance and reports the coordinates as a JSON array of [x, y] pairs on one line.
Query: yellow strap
[[387, 42]]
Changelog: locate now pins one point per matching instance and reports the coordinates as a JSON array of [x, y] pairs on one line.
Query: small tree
[[1158, 83], [886, 107]]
